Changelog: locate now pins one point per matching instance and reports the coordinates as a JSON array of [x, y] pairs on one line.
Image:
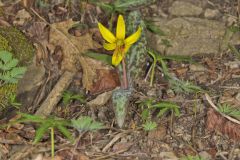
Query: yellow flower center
[[119, 42]]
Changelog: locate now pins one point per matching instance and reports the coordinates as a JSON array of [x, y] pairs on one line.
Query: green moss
[[11, 39], [20, 46], [1, 12], [4, 44], [5, 92]]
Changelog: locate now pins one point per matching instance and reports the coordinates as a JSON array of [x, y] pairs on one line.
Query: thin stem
[[111, 22], [52, 142], [152, 72], [125, 80], [171, 122]]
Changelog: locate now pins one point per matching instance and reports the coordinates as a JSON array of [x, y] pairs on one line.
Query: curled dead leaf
[[106, 80]]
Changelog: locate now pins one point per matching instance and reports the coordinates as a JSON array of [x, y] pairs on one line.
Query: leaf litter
[[186, 135]]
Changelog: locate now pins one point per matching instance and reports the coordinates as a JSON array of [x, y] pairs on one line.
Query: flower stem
[[152, 72], [52, 142], [125, 80]]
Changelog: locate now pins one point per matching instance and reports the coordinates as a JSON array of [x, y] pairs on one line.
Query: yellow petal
[[120, 32], [126, 50], [106, 34], [109, 46], [134, 37], [117, 57]]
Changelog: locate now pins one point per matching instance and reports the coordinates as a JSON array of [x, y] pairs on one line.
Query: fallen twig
[[55, 95], [208, 98]]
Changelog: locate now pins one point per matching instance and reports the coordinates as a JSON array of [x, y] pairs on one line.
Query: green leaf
[[11, 64], [145, 114], [189, 157], [177, 58], [129, 4], [18, 72], [68, 96], [149, 126], [166, 42], [99, 56], [65, 132], [109, 8], [176, 111], [5, 56], [85, 123], [162, 112], [9, 73], [13, 101], [234, 29], [165, 104], [29, 117], [40, 132], [154, 29], [164, 68], [180, 86], [229, 110], [234, 50]]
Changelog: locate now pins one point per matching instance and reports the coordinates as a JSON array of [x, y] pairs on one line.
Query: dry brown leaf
[[22, 17], [50, 158], [100, 100], [106, 80], [158, 134], [38, 30], [122, 146], [27, 3], [73, 47], [4, 150], [216, 122], [11, 138]]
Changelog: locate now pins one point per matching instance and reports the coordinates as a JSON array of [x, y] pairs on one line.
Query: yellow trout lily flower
[[118, 43]]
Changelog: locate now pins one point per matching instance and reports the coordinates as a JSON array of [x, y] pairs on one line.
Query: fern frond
[[9, 72]]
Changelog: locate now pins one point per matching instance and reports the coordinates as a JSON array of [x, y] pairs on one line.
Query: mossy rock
[[14, 41], [5, 92], [17, 43]]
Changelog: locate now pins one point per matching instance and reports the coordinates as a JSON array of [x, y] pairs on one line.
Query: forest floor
[[200, 131]]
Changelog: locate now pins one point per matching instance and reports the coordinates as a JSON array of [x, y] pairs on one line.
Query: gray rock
[[205, 155], [180, 8], [168, 156], [29, 84], [233, 64], [238, 96], [31, 79], [189, 36], [197, 68], [212, 13]]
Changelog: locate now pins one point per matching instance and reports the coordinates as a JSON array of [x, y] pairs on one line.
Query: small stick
[[115, 139], [208, 98], [55, 95]]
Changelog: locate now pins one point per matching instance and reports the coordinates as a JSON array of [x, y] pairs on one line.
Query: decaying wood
[[55, 95]]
